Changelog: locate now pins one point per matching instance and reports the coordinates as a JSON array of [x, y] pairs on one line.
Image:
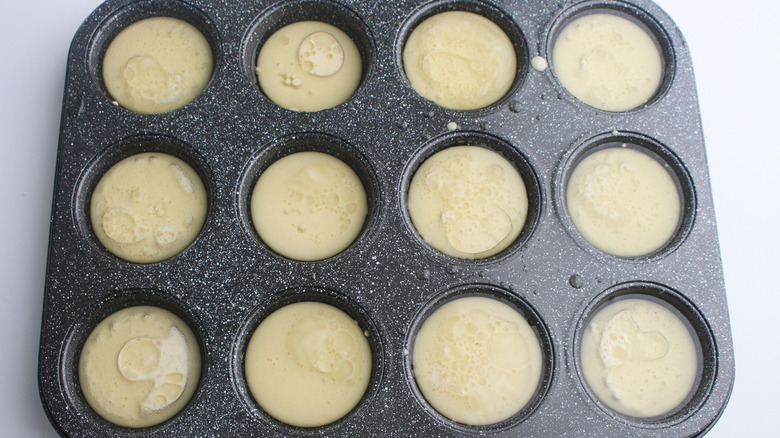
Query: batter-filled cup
[[460, 60], [308, 206], [308, 364], [309, 66], [623, 201], [148, 207], [468, 202], [156, 65], [477, 361], [139, 366], [608, 61], [638, 357]]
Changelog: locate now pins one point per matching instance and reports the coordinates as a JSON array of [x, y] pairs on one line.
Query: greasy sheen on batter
[[460, 60], [308, 364], [148, 207], [477, 361], [623, 201], [468, 202], [309, 66], [157, 65], [608, 62], [139, 366], [638, 358], [308, 206]]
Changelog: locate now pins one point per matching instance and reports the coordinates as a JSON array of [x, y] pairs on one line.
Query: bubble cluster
[[120, 226], [163, 361], [291, 80], [149, 85], [321, 54], [622, 340], [323, 344]]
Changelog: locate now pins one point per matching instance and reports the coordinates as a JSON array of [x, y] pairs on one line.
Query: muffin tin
[[389, 279]]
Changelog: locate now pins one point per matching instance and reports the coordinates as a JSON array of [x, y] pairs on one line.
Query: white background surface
[[735, 57]]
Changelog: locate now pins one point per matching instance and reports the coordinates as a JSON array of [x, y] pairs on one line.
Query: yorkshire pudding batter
[[608, 62], [308, 364], [623, 201], [638, 358], [139, 366], [468, 202], [477, 361], [157, 65], [308, 206], [148, 207], [460, 60], [309, 66]]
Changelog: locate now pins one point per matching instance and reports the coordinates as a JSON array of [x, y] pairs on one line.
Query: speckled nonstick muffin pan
[[389, 279]]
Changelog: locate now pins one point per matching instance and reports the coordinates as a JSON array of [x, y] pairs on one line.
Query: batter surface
[[623, 202], [309, 66], [468, 202], [157, 65], [139, 366], [148, 207], [638, 358], [608, 62], [477, 361], [308, 206], [308, 364], [460, 60]]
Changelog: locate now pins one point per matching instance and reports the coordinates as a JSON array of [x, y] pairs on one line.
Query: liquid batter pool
[[460, 60], [608, 62], [623, 201], [148, 207], [139, 366], [157, 65], [477, 361], [308, 206], [308, 364], [309, 66], [638, 358], [468, 202]]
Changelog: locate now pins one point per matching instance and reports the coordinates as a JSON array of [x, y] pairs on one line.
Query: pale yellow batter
[[460, 60], [139, 366], [468, 202], [623, 202], [638, 358], [309, 66], [157, 65], [148, 207], [477, 361], [608, 62], [308, 364], [308, 206]]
